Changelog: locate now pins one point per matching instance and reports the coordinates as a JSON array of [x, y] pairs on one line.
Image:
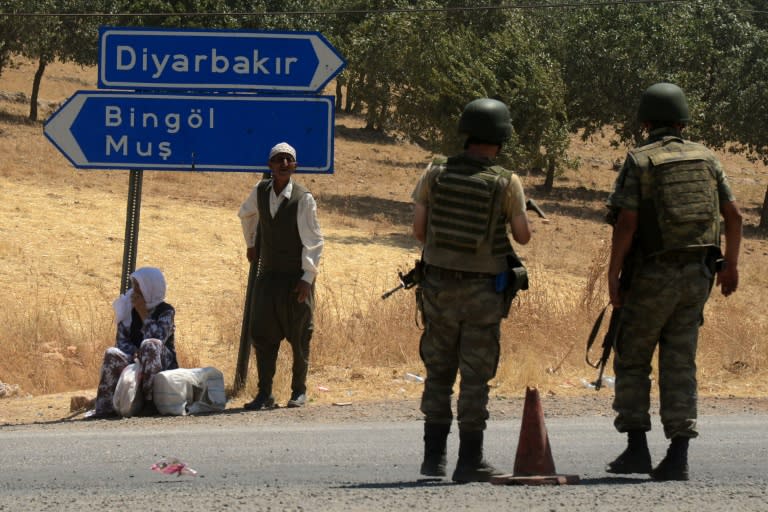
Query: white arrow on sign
[[329, 66], [57, 129]]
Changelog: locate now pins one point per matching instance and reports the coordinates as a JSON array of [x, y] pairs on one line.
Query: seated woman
[[145, 327]]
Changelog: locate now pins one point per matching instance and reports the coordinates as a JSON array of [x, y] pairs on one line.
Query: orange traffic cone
[[534, 455], [533, 462]]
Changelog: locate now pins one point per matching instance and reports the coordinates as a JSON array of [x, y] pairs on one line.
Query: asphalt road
[[359, 466]]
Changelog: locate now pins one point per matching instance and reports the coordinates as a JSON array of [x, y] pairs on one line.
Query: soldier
[[667, 203], [462, 207]]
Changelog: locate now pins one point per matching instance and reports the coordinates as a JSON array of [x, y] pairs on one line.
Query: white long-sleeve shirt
[[306, 220]]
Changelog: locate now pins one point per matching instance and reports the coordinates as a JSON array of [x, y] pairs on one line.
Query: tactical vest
[[279, 240], [137, 337], [466, 226], [679, 205]]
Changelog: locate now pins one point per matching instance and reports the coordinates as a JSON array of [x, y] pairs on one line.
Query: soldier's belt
[[455, 275], [681, 257]]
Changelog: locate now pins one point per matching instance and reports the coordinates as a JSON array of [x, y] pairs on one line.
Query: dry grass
[[61, 234]]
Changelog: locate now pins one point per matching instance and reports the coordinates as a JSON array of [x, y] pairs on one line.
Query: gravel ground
[[355, 467], [597, 404], [347, 472]]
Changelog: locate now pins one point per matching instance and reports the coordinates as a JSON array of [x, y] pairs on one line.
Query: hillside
[[61, 244]]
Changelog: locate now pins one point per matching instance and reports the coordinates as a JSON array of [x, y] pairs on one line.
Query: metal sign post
[[131, 228]]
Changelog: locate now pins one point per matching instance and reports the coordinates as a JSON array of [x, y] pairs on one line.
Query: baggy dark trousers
[[277, 315]]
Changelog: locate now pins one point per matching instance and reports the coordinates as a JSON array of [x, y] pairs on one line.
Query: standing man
[[667, 204], [283, 237], [462, 208]]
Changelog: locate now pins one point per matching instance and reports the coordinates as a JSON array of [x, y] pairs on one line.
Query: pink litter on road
[[173, 466]]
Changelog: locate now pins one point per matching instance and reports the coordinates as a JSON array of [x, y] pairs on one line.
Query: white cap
[[283, 147]]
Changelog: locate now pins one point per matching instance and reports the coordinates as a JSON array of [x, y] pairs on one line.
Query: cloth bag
[[189, 391], [128, 398]]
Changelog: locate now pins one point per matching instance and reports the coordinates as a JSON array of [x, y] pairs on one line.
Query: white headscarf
[[152, 284]]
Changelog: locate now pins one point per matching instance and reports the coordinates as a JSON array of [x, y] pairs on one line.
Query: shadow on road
[[614, 480], [411, 484], [438, 482]]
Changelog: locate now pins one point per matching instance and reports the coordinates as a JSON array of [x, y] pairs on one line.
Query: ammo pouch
[[511, 281], [715, 260]]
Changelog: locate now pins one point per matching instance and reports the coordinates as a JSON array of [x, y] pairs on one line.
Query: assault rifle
[[530, 204], [609, 341], [613, 334], [408, 280]]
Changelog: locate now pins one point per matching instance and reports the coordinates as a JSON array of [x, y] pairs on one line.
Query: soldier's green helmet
[[663, 102], [486, 120]]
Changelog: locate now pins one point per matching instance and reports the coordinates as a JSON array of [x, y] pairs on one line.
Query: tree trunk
[[41, 64], [549, 182], [764, 214], [348, 99], [339, 96]]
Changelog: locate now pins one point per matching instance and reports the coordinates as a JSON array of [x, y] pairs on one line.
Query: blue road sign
[[225, 60], [226, 132]]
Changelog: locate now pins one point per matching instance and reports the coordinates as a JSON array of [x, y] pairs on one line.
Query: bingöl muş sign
[[186, 132]]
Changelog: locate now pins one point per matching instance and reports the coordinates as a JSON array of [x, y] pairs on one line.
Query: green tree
[[414, 64], [457, 62], [10, 31], [340, 24], [177, 13], [713, 49], [379, 65], [608, 55], [56, 33]]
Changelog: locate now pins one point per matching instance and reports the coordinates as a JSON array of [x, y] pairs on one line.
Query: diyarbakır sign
[[234, 60]]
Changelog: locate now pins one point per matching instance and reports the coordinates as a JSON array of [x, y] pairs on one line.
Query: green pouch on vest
[[680, 204]]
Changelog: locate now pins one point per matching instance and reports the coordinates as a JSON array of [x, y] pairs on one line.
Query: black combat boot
[[435, 439], [635, 459], [471, 467], [674, 466]]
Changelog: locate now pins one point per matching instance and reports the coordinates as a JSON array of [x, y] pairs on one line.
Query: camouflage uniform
[[672, 278], [461, 307], [461, 334]]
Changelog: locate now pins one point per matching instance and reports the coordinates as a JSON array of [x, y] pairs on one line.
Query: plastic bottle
[[412, 377]]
